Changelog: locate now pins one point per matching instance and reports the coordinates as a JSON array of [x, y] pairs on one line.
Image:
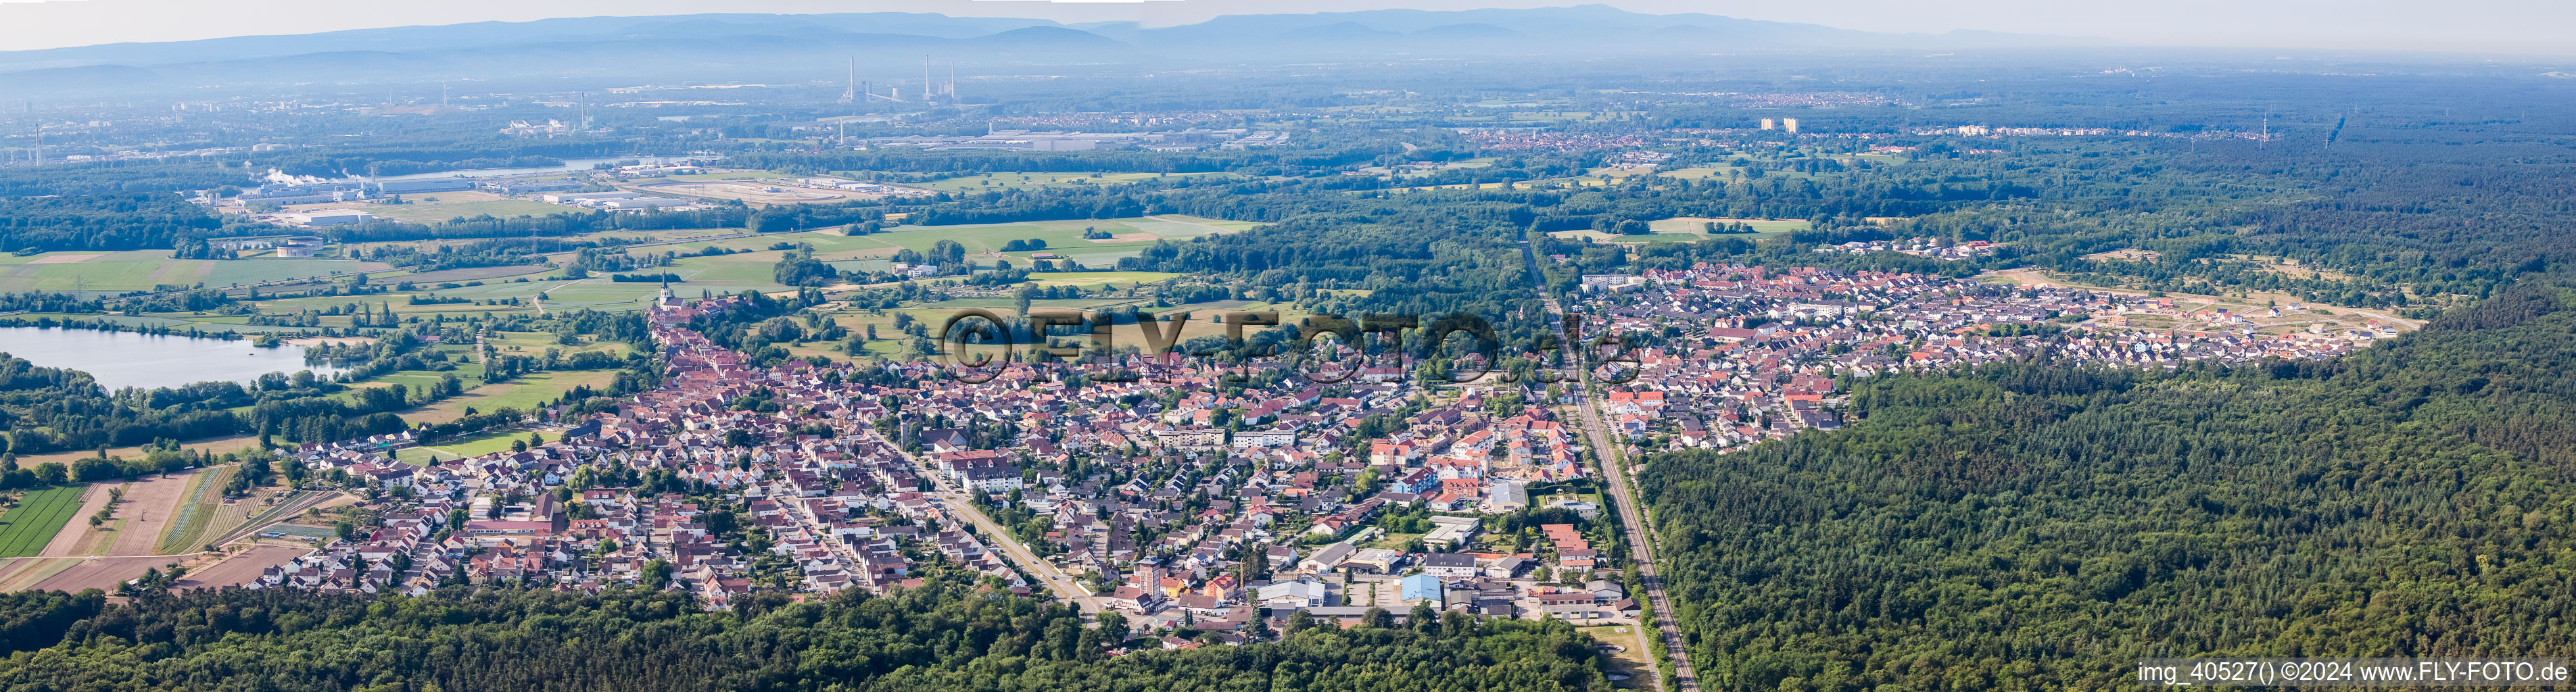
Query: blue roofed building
[[1424, 587]]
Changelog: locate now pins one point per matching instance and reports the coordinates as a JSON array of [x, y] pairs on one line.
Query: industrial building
[[406, 187], [620, 200], [303, 194], [639, 203], [522, 187], [580, 197], [329, 217], [260, 243], [1423, 587]]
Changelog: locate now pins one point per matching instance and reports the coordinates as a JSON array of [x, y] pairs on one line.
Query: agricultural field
[[149, 509], [144, 269], [239, 568], [104, 573], [1698, 225], [485, 274], [523, 393], [40, 514], [199, 517], [479, 445], [718, 274], [649, 236], [23, 573], [218, 445], [1002, 180], [1211, 223], [1096, 279], [1689, 230], [1063, 238], [95, 541]]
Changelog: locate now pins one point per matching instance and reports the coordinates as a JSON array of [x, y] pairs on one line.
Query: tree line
[[935, 637]]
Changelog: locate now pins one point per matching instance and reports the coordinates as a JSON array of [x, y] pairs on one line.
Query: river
[[126, 359]]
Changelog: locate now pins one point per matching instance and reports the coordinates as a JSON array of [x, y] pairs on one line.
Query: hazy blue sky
[[2513, 26]]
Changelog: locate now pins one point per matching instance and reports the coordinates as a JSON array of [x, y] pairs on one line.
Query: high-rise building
[[1766, 123], [1790, 125]]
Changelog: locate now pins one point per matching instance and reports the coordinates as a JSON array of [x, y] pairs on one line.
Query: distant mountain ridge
[[806, 47]]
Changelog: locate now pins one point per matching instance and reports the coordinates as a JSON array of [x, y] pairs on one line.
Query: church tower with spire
[[666, 301]]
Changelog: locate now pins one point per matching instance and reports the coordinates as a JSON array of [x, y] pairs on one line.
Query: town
[[1183, 503]]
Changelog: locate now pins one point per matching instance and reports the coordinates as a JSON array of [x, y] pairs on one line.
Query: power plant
[[850, 94], [932, 91]]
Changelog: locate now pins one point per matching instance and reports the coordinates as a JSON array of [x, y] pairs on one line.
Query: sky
[[2497, 26]]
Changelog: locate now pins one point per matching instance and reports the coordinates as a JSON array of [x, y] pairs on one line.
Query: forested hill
[[926, 639], [2040, 526]]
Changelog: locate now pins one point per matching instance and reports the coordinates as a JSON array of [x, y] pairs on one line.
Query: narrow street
[[1640, 546]]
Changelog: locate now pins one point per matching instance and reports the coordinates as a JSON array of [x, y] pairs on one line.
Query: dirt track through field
[[148, 508], [72, 534]]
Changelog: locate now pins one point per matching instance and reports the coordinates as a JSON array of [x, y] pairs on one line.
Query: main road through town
[[954, 502], [1640, 548]]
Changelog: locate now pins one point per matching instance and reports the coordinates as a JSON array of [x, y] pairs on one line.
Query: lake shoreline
[[121, 359]]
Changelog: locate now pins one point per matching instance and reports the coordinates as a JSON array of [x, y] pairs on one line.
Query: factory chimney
[[850, 94]]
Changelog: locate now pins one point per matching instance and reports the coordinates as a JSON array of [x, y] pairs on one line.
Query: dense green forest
[[121, 177], [127, 221], [2043, 526], [931, 638], [432, 157]]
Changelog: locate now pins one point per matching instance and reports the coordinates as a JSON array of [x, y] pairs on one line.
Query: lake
[[126, 359]]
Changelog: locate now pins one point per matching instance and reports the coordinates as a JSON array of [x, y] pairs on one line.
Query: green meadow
[[143, 269]]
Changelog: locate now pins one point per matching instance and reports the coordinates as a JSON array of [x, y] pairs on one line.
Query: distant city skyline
[[2471, 26]]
